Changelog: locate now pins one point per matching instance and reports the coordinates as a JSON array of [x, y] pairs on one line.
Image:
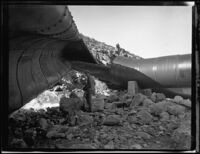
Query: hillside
[[105, 53]]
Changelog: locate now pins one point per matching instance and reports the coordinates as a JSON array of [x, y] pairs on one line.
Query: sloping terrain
[[104, 53]]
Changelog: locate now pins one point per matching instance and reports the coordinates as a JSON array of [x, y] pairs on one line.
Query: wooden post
[[132, 88]]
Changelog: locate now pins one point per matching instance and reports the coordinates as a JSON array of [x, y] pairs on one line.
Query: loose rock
[[143, 135], [145, 117], [176, 109], [98, 104], [136, 146], [137, 100], [112, 120], [43, 123]]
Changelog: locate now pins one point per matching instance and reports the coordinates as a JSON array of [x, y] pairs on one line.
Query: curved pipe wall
[[169, 71], [49, 20], [43, 38]]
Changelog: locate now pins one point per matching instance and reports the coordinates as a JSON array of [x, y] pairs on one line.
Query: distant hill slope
[[105, 53]]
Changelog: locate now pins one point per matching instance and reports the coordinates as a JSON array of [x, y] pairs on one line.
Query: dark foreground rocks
[[118, 121]]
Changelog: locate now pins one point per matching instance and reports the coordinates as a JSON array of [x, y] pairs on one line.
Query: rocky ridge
[[104, 53]]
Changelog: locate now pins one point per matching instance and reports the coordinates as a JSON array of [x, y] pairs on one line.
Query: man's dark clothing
[[89, 91]]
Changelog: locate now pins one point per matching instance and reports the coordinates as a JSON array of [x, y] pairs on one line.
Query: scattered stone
[[69, 136], [164, 116], [98, 104], [18, 143], [43, 123], [176, 109], [118, 104], [137, 100], [177, 99], [110, 145], [55, 134], [136, 146], [82, 146], [147, 92], [132, 112], [145, 117], [29, 136], [18, 133], [18, 116], [153, 97], [70, 105], [147, 102], [158, 108], [112, 120], [186, 102], [143, 135], [128, 102], [182, 135], [113, 98], [173, 125], [160, 97], [85, 119]]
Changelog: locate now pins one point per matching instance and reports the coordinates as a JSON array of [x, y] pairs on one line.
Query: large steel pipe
[[37, 63], [170, 71], [49, 20], [42, 39]]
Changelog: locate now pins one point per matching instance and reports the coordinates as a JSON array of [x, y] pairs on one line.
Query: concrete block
[[132, 88]]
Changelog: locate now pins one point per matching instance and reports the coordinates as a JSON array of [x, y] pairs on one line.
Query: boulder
[[85, 119], [82, 146], [128, 101], [18, 143], [177, 99], [70, 105], [182, 135], [153, 97], [43, 123], [186, 102], [136, 146], [113, 98], [112, 120], [118, 104], [138, 99], [143, 135], [164, 116], [97, 104], [176, 109], [158, 108], [147, 92], [145, 117], [147, 102], [160, 97], [110, 145], [55, 134]]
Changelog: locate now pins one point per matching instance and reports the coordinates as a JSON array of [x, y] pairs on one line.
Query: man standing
[[89, 90]]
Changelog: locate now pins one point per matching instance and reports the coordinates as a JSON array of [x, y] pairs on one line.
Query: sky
[[146, 31]]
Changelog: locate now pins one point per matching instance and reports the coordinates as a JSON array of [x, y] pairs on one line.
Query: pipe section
[[170, 71], [50, 20]]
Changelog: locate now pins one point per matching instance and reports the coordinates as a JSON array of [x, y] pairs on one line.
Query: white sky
[[147, 31]]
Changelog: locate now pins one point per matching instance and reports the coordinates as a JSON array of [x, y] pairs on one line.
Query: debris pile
[[117, 121]]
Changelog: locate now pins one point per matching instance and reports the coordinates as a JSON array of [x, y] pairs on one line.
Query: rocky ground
[[118, 121], [145, 121]]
